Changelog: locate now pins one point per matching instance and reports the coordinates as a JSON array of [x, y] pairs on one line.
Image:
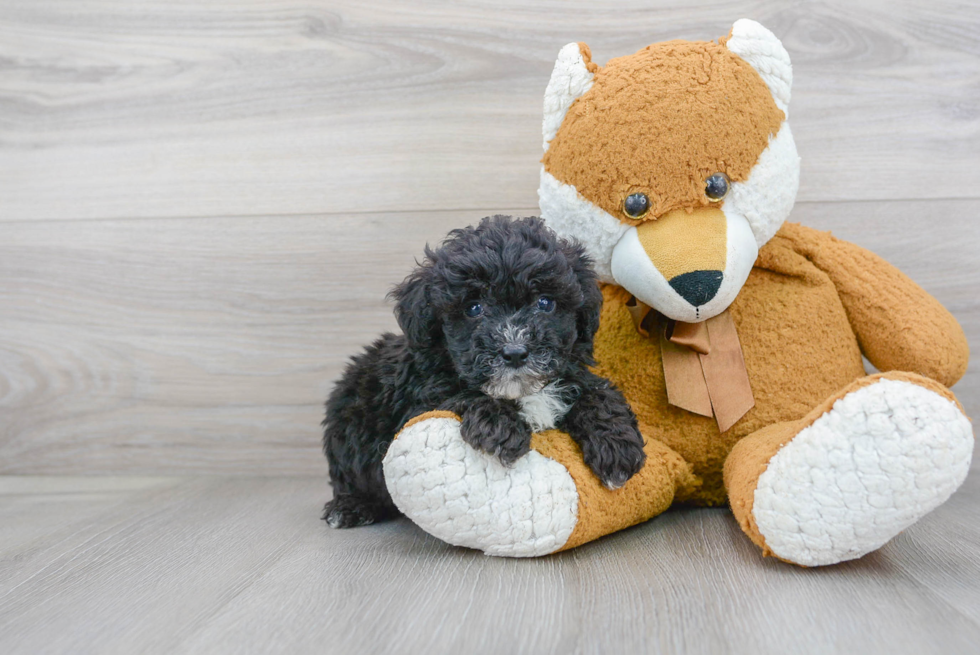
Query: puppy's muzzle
[[515, 355]]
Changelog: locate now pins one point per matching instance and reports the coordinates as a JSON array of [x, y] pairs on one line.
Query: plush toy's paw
[[469, 498], [614, 455], [885, 455], [487, 426]]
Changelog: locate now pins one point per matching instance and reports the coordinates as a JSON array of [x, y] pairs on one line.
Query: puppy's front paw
[[502, 434], [350, 512], [614, 455]]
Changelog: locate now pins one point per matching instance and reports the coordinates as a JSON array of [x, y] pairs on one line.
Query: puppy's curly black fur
[[498, 327]]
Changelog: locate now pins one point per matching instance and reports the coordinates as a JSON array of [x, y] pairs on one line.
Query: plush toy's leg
[[853, 473], [546, 502]]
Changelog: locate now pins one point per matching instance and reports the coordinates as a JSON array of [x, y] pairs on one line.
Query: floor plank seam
[[202, 621], [533, 210]]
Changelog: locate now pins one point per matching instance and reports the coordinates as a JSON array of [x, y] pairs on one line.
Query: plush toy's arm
[[546, 501], [899, 326]]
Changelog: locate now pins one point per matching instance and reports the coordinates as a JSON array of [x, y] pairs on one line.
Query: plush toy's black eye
[[716, 188], [636, 205], [474, 310], [546, 304]]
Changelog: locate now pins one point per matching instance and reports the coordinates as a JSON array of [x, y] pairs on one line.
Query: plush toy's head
[[673, 166]]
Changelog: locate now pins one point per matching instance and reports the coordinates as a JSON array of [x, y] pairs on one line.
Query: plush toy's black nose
[[515, 354], [697, 287]]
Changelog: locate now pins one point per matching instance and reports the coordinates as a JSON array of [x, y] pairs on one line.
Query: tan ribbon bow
[[704, 369]]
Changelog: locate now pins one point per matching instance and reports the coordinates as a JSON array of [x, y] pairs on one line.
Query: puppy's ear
[[587, 318], [413, 308]]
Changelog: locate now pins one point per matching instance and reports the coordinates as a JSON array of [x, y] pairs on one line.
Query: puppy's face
[[511, 304], [511, 340]]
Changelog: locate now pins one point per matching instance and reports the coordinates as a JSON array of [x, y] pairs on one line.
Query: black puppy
[[498, 323]]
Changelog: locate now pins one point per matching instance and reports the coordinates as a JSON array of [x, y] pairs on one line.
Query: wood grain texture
[[202, 206], [179, 346], [258, 107], [34, 509], [238, 565]]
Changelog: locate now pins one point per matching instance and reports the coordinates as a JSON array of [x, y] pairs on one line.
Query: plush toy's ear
[[763, 51], [413, 310], [571, 78]]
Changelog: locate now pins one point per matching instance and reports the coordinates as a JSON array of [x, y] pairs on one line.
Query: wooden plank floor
[[242, 565], [202, 205]]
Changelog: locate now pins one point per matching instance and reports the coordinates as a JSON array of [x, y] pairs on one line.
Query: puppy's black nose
[[697, 287], [515, 355]]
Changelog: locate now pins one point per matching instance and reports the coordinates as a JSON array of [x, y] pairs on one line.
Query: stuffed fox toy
[[736, 337]]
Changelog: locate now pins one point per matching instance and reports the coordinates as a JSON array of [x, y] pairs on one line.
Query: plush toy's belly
[[798, 345]]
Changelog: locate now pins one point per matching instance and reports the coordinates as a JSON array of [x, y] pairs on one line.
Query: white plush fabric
[[881, 458], [765, 53], [767, 197], [468, 498], [570, 79], [570, 215], [633, 270]]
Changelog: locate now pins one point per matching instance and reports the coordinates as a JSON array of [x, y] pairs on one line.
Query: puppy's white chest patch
[[543, 410]]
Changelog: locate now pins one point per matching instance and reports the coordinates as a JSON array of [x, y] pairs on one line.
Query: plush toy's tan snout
[[687, 264], [689, 250]]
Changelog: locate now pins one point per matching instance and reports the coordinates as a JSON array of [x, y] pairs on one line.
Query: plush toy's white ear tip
[[765, 53], [570, 79]]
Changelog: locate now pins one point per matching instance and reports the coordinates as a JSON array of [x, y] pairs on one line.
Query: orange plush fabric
[[898, 325], [601, 511], [798, 345]]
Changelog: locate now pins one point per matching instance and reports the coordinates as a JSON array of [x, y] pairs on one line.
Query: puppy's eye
[[546, 304], [474, 310], [636, 205], [716, 187]]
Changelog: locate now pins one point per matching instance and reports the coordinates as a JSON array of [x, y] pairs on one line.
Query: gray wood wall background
[[202, 204]]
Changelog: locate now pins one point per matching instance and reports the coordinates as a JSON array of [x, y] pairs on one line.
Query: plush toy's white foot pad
[[468, 498], [884, 456]]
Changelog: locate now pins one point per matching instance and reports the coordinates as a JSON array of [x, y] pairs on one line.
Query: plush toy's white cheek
[[766, 198], [566, 212], [742, 253], [633, 270]]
